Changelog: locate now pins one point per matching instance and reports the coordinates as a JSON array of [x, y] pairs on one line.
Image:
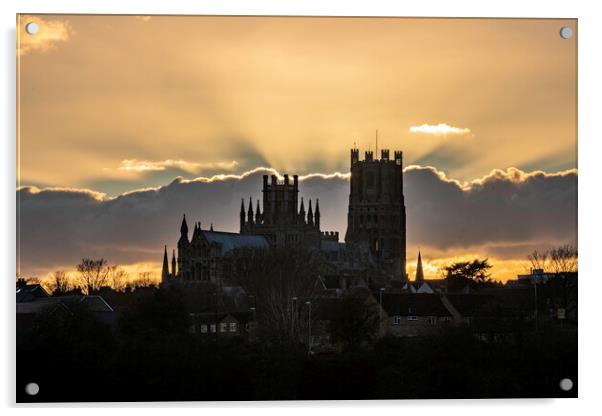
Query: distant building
[[418, 287], [377, 215], [283, 222], [223, 324], [374, 243], [30, 293], [536, 276], [29, 309], [204, 257], [411, 314]]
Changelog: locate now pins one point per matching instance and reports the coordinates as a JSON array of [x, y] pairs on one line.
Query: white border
[[590, 68]]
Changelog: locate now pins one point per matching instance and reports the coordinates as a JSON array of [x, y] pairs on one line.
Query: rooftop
[[232, 241]]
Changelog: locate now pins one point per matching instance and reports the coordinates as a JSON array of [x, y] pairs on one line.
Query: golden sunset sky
[[119, 103]]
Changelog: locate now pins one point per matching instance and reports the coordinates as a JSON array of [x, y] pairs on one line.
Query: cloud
[[504, 214], [50, 33], [134, 165], [440, 129]]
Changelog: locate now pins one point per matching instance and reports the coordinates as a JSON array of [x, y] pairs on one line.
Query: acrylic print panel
[[278, 208]]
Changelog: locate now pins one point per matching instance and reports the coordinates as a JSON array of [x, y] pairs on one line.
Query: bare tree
[[118, 278], [539, 259], [93, 274], [281, 282], [563, 259], [60, 283], [146, 279]]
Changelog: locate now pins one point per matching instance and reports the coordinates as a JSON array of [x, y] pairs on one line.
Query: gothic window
[[203, 329], [370, 180], [223, 327], [233, 327]]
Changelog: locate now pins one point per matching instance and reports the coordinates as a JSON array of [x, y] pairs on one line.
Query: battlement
[[369, 156], [275, 182], [355, 156], [330, 235]]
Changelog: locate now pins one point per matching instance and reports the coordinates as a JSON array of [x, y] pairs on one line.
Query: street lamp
[[308, 303], [294, 299], [252, 327], [380, 310], [534, 279]]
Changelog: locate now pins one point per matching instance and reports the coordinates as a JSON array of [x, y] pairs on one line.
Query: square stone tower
[[377, 215], [282, 222]]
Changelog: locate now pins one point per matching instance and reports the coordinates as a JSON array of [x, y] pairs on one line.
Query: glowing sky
[[118, 103]]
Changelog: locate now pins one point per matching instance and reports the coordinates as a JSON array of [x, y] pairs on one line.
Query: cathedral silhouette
[[375, 240]]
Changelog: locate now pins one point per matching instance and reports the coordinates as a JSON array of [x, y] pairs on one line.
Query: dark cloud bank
[[506, 213]]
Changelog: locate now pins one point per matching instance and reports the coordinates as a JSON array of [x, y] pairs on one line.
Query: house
[[222, 324], [30, 293], [412, 314], [467, 307], [340, 283], [96, 306], [418, 287], [536, 276]]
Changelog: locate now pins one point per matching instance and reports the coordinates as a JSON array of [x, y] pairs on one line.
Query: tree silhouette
[[476, 270], [539, 259], [146, 279], [93, 274], [281, 281], [563, 259], [118, 278], [60, 283], [471, 273], [354, 322]]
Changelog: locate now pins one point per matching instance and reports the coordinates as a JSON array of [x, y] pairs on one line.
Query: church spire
[[419, 272], [165, 270], [310, 215]]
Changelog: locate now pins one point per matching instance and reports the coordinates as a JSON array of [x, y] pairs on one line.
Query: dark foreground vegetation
[[152, 356]]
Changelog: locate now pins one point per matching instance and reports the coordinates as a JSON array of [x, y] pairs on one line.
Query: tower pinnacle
[[317, 214], [184, 227], [165, 269], [250, 213], [242, 213]]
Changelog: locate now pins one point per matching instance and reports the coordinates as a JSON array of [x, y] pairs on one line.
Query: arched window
[[370, 180]]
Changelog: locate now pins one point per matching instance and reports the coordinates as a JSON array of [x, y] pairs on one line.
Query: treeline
[[152, 356], [91, 276]]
